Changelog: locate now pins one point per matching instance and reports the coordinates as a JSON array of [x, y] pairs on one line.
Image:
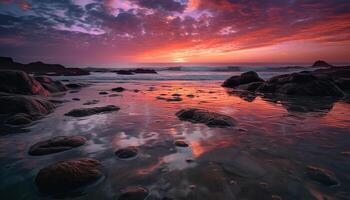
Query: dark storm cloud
[[166, 5]]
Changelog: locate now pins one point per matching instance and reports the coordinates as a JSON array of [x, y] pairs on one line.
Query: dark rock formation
[[41, 68], [321, 63], [57, 144], [203, 116], [250, 86], [91, 111], [118, 89], [245, 78], [68, 175], [144, 71], [51, 85], [75, 85], [300, 84], [127, 153], [33, 106], [103, 93], [19, 82], [19, 119], [133, 193], [124, 72], [92, 102], [323, 176]]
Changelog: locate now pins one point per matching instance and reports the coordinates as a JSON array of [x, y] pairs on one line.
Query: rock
[[19, 119], [68, 175], [245, 78], [180, 143], [144, 71], [174, 99], [103, 93], [133, 193], [252, 87], [124, 72], [321, 63], [127, 153], [92, 102], [118, 89], [205, 117], [51, 85], [41, 68], [19, 82], [190, 96], [91, 111], [176, 95], [57, 144], [300, 84], [323, 176], [34, 106], [75, 85], [76, 99]]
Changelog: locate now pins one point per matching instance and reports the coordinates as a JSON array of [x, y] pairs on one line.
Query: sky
[[107, 32]]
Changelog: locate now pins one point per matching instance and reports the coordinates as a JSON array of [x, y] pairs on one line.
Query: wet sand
[[265, 156]]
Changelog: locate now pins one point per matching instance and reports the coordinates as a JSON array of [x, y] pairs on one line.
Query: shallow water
[[264, 157]]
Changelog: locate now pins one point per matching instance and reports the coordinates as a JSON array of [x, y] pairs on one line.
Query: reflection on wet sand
[[265, 156]]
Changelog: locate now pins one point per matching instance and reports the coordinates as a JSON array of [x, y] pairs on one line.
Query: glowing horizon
[[95, 32]]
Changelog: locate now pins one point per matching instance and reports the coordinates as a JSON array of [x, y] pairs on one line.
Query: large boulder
[[30, 105], [300, 84], [51, 85], [23, 109], [245, 78], [68, 175], [91, 111], [57, 144], [19, 82], [211, 119]]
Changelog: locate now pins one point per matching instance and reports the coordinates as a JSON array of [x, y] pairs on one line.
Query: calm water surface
[[264, 157]]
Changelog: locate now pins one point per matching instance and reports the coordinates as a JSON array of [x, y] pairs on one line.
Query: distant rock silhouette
[[144, 71], [41, 68], [321, 63]]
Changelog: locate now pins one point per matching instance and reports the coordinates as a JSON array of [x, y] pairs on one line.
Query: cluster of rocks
[[332, 82], [24, 98]]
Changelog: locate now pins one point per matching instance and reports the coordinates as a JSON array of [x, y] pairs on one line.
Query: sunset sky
[[97, 32]]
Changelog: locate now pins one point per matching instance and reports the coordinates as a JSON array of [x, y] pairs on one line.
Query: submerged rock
[[51, 85], [205, 117], [91, 111], [103, 93], [57, 144], [323, 176], [68, 175], [127, 153], [124, 72], [118, 89], [133, 193], [92, 102], [300, 84], [245, 78], [19, 82]]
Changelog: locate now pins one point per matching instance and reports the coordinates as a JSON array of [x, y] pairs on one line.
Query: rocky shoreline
[[25, 98]]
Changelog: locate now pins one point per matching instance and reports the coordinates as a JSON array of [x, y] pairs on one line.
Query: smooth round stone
[[134, 193], [56, 144], [68, 175], [127, 153], [181, 143]]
